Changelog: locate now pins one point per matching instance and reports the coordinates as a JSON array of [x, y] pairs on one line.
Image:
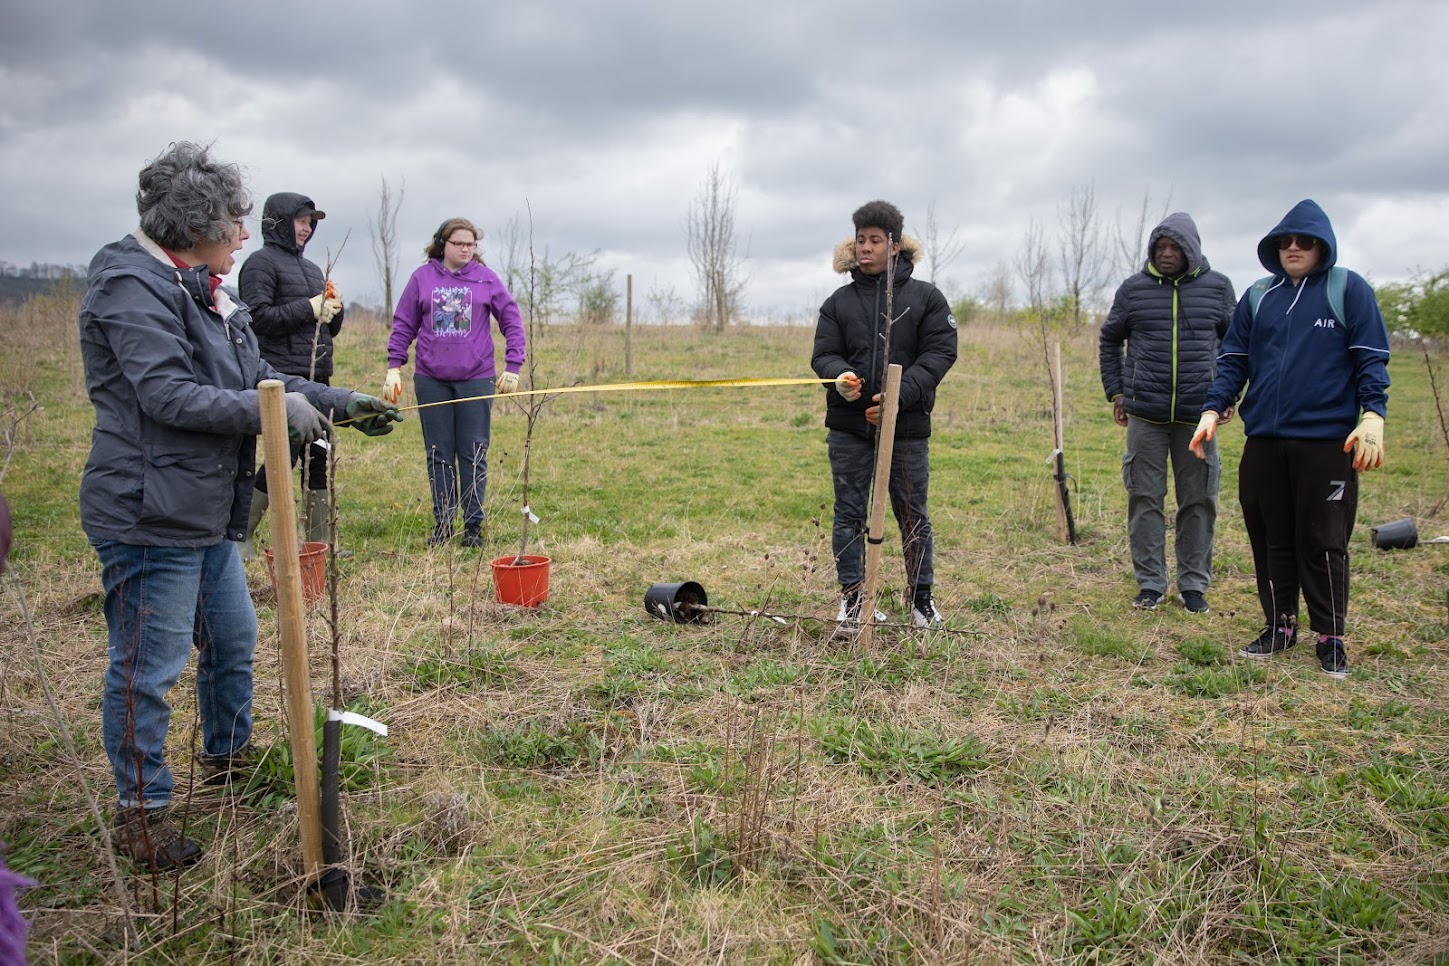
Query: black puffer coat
[[1171, 328], [277, 283], [851, 332]]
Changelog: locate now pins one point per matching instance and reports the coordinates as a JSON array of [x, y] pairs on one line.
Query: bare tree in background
[[996, 291], [383, 228], [1033, 267], [940, 252], [1132, 242], [666, 305], [1083, 261], [511, 260], [709, 229]]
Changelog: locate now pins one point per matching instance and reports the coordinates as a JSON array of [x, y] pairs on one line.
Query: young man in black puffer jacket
[[295, 323], [849, 339]]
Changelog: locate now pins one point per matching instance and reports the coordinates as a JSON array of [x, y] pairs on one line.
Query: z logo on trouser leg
[[1336, 488]]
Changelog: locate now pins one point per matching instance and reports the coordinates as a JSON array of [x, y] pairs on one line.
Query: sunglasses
[[1304, 242]]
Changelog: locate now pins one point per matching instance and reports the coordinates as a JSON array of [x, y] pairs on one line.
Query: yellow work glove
[[508, 382], [1367, 442], [848, 385], [316, 302], [392, 386], [330, 308], [1207, 428]]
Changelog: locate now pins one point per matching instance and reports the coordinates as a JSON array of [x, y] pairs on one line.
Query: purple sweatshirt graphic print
[[446, 314]]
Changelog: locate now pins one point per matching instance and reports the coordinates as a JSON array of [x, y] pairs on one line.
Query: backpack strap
[[1337, 285], [1256, 291]]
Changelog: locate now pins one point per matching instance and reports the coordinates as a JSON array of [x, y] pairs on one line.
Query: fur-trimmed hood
[[844, 258]]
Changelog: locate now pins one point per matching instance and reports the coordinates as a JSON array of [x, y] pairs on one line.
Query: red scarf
[[215, 280]]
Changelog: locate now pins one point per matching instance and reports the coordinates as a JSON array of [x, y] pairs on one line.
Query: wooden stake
[[880, 488], [292, 628], [628, 324], [1066, 526]]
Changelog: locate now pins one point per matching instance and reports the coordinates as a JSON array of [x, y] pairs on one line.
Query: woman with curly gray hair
[[172, 369]]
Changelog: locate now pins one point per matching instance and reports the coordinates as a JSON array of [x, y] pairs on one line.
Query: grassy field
[[1055, 779]]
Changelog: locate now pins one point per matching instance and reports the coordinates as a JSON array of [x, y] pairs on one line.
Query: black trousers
[[315, 475], [1300, 498]]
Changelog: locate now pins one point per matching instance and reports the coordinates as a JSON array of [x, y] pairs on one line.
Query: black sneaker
[[148, 838], [1331, 657], [924, 613], [1147, 600], [473, 535], [1270, 642], [1193, 601]]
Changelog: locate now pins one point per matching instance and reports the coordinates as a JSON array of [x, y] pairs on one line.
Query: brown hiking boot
[[150, 839], [226, 769]]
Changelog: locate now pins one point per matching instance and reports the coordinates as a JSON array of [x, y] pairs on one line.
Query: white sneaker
[[927, 619], [847, 619]]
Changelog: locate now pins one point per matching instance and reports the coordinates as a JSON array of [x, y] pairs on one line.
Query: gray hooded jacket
[[172, 372], [1171, 328]]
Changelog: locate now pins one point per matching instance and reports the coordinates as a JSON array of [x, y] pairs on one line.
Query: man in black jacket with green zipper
[[849, 341], [1171, 315]]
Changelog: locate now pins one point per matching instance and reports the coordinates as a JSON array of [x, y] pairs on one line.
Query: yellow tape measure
[[617, 387]]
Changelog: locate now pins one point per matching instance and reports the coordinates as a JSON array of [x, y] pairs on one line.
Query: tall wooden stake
[[1066, 525], [292, 628], [880, 487], [628, 324]]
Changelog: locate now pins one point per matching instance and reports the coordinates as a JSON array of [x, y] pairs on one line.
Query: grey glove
[[304, 423]]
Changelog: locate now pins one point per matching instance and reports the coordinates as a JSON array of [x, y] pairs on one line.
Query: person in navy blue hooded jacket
[[1314, 417]]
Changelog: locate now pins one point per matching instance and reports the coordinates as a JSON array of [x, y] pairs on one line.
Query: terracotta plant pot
[[313, 558], [523, 584]]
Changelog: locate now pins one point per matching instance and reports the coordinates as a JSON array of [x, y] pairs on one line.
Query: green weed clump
[[362, 762], [889, 752]]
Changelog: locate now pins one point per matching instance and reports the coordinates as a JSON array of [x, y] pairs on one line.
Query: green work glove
[[304, 423], [371, 415]]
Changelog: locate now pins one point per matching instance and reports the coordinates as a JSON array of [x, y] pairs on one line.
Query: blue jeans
[[852, 463], [456, 440], [160, 602]]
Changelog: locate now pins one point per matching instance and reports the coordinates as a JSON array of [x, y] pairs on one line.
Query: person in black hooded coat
[[295, 323], [1170, 316], [849, 338]]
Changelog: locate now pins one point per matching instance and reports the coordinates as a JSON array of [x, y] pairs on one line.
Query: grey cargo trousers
[[1144, 474]]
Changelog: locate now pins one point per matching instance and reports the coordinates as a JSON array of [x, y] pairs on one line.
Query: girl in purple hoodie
[[445, 309]]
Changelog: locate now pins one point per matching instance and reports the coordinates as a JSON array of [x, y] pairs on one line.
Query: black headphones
[[438, 240]]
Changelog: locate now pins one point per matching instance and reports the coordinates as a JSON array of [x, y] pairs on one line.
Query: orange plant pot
[[313, 558], [524, 584]]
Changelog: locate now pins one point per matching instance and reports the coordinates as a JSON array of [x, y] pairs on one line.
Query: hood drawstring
[[1296, 296]]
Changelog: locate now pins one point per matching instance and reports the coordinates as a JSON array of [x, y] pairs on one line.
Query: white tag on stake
[[352, 717], [529, 513]]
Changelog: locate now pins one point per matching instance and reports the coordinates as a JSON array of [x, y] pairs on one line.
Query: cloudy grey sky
[[606, 118]]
